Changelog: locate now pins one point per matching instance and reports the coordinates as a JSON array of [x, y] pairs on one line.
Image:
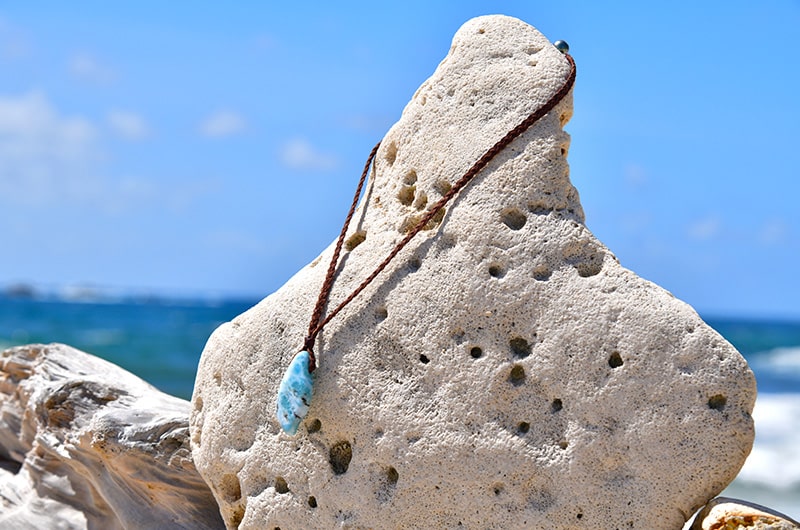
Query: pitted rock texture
[[724, 513], [505, 371]]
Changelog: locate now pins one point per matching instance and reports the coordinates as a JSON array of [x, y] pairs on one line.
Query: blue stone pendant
[[294, 394]]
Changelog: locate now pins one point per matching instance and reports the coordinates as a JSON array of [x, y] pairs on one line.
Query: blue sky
[[185, 148]]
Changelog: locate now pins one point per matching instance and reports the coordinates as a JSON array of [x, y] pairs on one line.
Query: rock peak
[[505, 370]]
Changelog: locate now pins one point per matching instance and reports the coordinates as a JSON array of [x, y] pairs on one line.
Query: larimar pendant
[[294, 393]]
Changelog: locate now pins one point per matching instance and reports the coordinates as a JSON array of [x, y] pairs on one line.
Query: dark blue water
[[161, 340], [158, 340], [772, 349]]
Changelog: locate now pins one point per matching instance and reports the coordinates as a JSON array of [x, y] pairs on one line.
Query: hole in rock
[[584, 256], [412, 221], [390, 155], [421, 202], [386, 483], [513, 218], [498, 488], [556, 405], [381, 313], [481, 31], [580, 516], [424, 358], [406, 195], [475, 352], [312, 501], [590, 267], [356, 239], [541, 273], [520, 347], [615, 361], [442, 186], [517, 375], [281, 486], [563, 444], [314, 426], [414, 264], [237, 516], [496, 271], [340, 455], [435, 220], [392, 476], [717, 402], [539, 207], [230, 488], [523, 427]]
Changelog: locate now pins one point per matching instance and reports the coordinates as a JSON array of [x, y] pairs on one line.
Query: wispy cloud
[[373, 124], [299, 154], [773, 232], [705, 229], [52, 160], [635, 175], [128, 125], [87, 68], [41, 150], [222, 123]]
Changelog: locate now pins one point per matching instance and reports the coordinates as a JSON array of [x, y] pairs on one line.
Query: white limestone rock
[[86, 445], [505, 371], [724, 513]]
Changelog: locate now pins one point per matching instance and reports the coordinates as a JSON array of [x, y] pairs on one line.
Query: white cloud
[[705, 229], [222, 123], [49, 160], [368, 123], [87, 68], [41, 151], [298, 153], [128, 125]]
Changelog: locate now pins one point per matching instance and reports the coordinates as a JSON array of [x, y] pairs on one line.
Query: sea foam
[[775, 459], [771, 474]]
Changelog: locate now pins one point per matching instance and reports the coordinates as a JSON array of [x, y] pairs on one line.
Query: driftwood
[[86, 444]]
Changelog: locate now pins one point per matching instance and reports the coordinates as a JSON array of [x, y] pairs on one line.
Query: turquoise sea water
[[161, 340]]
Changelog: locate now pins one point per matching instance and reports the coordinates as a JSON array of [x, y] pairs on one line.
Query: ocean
[[160, 340]]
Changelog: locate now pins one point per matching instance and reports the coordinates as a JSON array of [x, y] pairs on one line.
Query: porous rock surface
[[505, 371], [724, 513], [85, 444]]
